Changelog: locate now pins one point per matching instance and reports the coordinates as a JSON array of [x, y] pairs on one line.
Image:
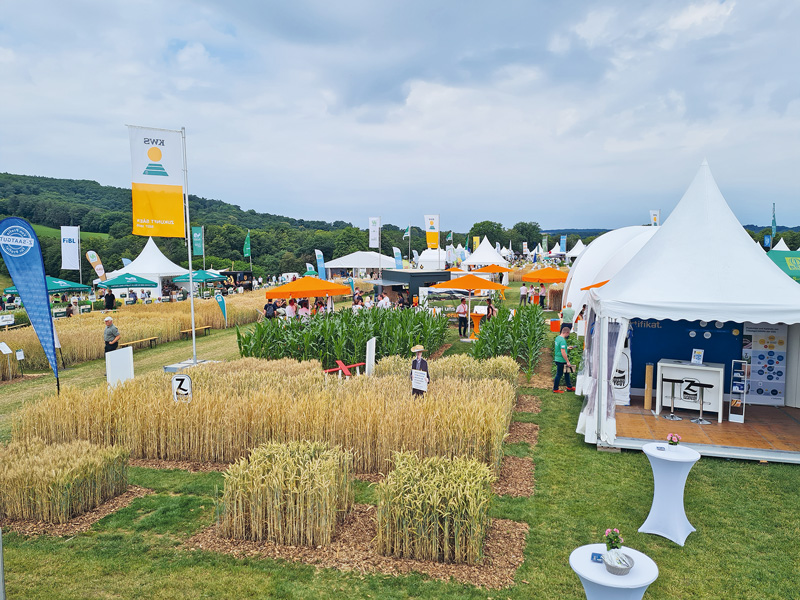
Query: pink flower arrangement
[[674, 439], [613, 539]]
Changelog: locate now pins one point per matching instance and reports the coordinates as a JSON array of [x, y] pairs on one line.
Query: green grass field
[[745, 513], [44, 231]]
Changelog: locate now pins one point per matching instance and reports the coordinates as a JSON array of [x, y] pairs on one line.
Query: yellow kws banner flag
[[432, 231], [157, 182]]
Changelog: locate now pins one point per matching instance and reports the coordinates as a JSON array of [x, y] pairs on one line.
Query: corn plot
[[343, 335], [81, 336], [239, 405], [521, 337], [294, 494], [55, 483], [434, 509], [459, 366]]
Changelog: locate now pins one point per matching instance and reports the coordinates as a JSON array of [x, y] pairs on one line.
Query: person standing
[[110, 300], [419, 364], [523, 294], [462, 311], [542, 294], [561, 358], [491, 311], [291, 309], [111, 335], [269, 310], [568, 316]]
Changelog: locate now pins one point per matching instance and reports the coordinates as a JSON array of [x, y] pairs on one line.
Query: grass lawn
[[745, 514]]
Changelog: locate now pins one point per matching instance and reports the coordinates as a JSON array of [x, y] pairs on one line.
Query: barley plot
[[55, 483], [294, 494], [434, 509], [239, 405]]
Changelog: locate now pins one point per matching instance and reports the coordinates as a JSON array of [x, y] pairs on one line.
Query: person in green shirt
[[568, 316], [561, 358]]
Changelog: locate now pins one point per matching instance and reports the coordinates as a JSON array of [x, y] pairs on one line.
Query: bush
[[434, 509], [294, 494], [55, 483]]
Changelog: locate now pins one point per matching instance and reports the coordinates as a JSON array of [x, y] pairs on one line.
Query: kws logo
[[16, 241]]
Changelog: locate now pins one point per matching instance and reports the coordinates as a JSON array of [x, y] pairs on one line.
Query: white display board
[[764, 348], [370, 362], [6, 319], [4, 348], [621, 381], [419, 380], [119, 365]]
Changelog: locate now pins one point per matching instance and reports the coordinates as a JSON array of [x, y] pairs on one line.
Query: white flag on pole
[[374, 232], [70, 248]]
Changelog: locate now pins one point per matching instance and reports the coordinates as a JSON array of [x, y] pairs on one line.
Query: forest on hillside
[[279, 244]]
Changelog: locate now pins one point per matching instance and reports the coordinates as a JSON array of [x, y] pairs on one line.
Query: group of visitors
[[532, 295], [292, 309]]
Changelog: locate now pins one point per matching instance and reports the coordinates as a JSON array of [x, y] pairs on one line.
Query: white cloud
[[558, 44], [596, 28]]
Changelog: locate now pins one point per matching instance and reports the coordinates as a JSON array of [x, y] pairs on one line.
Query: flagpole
[[80, 254], [203, 235], [409, 243], [189, 245]]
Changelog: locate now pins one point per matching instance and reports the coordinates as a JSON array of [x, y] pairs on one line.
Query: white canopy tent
[[556, 250], [505, 252], [680, 274], [432, 259], [150, 264], [781, 246], [576, 249], [361, 260], [602, 259], [485, 255]]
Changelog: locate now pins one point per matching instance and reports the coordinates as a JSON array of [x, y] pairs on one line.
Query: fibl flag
[[157, 182]]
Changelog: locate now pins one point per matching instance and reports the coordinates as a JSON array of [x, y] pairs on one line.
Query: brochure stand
[[739, 383]]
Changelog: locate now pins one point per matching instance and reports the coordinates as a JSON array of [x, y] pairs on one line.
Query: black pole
[[63, 364], [58, 387]]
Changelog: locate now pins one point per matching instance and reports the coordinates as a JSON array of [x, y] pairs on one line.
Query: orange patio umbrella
[[455, 270], [469, 283], [546, 275], [493, 269], [307, 287]]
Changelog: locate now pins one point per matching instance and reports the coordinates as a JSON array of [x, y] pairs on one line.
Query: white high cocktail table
[[671, 466], [599, 584]]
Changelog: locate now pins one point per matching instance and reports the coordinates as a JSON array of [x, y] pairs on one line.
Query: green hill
[[44, 231]]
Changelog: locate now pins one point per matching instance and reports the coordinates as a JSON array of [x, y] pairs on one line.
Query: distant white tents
[[361, 261], [150, 264], [486, 254]]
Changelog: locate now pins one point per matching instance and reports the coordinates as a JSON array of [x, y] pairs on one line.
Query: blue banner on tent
[[320, 264], [22, 254], [221, 301]]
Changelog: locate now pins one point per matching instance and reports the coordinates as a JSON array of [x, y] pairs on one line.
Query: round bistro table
[[599, 584], [671, 466]]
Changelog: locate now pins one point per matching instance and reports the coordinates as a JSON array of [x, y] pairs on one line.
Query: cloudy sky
[[572, 114]]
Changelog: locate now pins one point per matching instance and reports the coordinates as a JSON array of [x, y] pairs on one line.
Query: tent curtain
[[591, 378]]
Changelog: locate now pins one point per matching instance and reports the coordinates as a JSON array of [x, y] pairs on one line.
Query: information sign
[[419, 380], [181, 388]]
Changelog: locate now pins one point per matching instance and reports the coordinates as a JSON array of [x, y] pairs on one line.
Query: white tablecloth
[[599, 584], [671, 466]]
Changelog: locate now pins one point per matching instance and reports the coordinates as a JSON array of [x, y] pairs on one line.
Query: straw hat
[[418, 348]]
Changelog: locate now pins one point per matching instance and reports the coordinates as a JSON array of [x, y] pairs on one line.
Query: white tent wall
[[792, 395], [433, 259], [360, 260], [683, 273]]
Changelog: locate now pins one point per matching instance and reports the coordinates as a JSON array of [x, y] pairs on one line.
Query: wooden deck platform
[[767, 432]]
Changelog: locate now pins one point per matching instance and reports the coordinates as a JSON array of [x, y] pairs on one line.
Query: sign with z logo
[[182, 388]]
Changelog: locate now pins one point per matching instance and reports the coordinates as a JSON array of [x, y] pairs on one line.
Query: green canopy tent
[[127, 282], [789, 262], [310, 272], [56, 286], [200, 276]]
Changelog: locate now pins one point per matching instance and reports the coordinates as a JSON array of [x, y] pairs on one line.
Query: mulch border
[[528, 403], [520, 431], [77, 524], [516, 477], [192, 466], [352, 549]]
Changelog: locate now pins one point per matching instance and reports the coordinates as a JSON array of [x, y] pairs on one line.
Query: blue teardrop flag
[[22, 254]]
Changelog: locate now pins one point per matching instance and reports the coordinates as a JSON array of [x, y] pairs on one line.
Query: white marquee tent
[[781, 246], [361, 260], [432, 259], [577, 249], [150, 264], [677, 275], [485, 255], [602, 259]]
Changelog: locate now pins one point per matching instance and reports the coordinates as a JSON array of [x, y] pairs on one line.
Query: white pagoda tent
[[486, 254], [678, 275], [781, 246], [150, 264], [576, 249]]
